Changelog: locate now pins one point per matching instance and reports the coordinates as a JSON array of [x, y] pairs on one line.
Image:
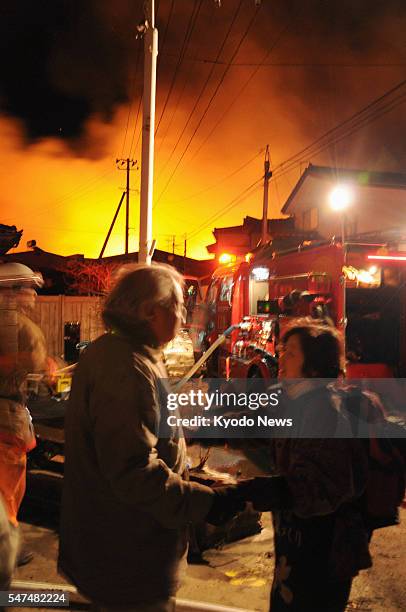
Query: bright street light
[[340, 197]]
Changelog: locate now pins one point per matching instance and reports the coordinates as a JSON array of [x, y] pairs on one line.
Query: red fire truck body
[[362, 284]]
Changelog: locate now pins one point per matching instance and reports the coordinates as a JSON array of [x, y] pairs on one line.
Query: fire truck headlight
[[226, 258]]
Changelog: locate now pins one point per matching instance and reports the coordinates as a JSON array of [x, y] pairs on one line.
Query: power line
[[185, 43], [360, 124], [132, 97], [369, 106], [202, 90], [212, 97], [135, 125], [275, 183], [132, 85], [358, 119], [83, 190], [361, 118], [244, 86], [162, 45], [222, 180], [131, 151], [64, 228], [185, 82], [142, 90], [369, 113], [234, 202], [296, 64]]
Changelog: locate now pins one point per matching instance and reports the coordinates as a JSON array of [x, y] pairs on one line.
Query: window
[[258, 289], [211, 297], [310, 219], [226, 289]]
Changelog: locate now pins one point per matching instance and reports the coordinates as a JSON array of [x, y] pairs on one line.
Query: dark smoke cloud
[[61, 62], [67, 60], [68, 71]]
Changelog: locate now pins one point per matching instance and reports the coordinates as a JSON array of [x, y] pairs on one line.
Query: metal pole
[[126, 164], [267, 176], [343, 228], [205, 357], [148, 129], [111, 226], [127, 206], [344, 317]]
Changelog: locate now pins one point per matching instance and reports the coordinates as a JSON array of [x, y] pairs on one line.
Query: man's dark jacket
[[125, 505]]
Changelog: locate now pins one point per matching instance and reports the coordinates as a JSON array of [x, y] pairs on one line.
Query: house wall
[[53, 311], [373, 209]]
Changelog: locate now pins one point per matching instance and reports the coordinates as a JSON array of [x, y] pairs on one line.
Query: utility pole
[[148, 128], [111, 226], [126, 164], [171, 243], [267, 176]]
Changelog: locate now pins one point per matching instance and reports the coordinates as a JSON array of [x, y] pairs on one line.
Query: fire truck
[[360, 287]]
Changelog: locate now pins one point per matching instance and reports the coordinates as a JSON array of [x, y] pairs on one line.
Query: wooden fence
[[53, 311]]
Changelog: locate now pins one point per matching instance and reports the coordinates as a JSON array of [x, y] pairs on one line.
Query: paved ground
[[238, 574]]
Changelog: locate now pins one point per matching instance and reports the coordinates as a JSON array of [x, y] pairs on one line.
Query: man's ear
[[148, 311]]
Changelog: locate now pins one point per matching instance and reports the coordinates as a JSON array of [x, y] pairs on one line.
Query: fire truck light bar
[[388, 257]]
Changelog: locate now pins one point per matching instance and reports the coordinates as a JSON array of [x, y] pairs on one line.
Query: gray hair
[[137, 287]]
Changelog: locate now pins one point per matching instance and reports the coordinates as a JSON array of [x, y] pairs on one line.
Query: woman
[[320, 539], [126, 504]]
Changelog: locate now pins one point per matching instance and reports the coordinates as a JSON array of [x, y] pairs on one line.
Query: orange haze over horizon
[[63, 193], [67, 203]]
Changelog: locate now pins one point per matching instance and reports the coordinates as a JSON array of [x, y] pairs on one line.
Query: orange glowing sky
[[65, 197]]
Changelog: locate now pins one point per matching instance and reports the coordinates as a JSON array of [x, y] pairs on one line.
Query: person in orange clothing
[[8, 549], [22, 351]]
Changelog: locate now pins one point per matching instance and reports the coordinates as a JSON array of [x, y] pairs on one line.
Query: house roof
[[274, 225], [231, 229], [363, 178], [9, 237], [186, 265], [251, 224], [37, 259]]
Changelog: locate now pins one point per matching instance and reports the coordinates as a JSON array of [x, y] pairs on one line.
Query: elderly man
[[127, 501]]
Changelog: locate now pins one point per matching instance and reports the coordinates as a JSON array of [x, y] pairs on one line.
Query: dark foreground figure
[[127, 502], [321, 539]]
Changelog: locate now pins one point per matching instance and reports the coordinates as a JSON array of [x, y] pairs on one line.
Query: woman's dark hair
[[136, 288], [322, 347]]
